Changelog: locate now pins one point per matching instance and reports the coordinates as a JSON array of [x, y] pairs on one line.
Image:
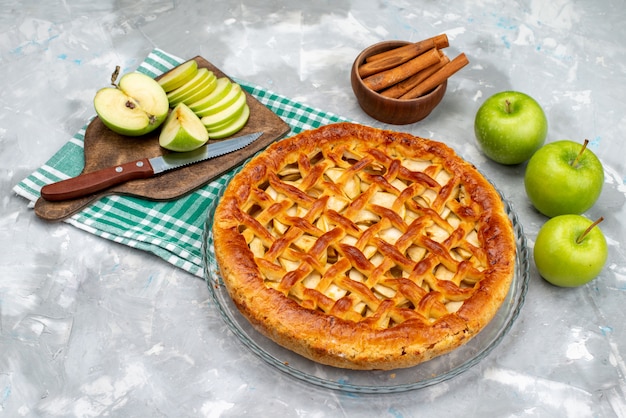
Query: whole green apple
[[563, 177], [570, 250], [510, 126]]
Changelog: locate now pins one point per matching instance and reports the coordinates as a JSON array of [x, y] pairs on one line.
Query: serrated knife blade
[[99, 180]]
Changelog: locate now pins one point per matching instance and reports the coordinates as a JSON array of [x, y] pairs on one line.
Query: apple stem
[[580, 154], [586, 231], [507, 106], [114, 76]]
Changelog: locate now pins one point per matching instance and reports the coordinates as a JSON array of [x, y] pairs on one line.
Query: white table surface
[[93, 328]]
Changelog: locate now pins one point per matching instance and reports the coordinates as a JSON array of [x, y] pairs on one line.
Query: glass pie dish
[[425, 374]]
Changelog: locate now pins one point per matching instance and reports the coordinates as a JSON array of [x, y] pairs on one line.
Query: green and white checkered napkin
[[173, 229]]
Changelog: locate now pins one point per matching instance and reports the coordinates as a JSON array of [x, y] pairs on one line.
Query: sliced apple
[[228, 113], [178, 76], [226, 123], [224, 85], [204, 91], [183, 130], [135, 106], [223, 103], [201, 78], [233, 127]]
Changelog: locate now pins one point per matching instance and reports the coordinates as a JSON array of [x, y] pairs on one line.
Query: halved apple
[[224, 85], [178, 76], [233, 126], [202, 77], [226, 114], [183, 130], [135, 106]]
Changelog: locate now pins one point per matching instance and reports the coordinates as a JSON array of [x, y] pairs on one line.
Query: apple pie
[[363, 248]]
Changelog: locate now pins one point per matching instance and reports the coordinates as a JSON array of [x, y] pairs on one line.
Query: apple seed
[[582, 236]]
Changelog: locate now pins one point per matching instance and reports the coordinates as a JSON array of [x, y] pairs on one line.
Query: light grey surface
[[92, 328]]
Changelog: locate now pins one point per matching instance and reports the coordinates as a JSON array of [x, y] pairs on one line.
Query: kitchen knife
[[98, 180]]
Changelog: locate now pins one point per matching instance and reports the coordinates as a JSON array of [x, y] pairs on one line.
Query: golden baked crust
[[362, 248]]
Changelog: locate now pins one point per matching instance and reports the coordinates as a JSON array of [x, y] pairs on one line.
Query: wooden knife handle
[[96, 181]]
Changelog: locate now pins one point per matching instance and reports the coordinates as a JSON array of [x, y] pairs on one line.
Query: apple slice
[[136, 105], [233, 127], [226, 124], [178, 76], [228, 113], [223, 103], [183, 130], [201, 78], [221, 89], [204, 91], [218, 126]]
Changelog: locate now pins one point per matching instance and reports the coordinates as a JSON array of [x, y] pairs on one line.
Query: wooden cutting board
[[105, 148]]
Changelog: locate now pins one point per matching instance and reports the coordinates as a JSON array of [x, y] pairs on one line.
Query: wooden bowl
[[386, 109]]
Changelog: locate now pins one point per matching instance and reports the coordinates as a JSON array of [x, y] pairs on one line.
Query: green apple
[[231, 127], [204, 90], [233, 95], [182, 93], [227, 121], [178, 75], [224, 85], [563, 177], [229, 113], [510, 126], [570, 250], [135, 106], [183, 130]]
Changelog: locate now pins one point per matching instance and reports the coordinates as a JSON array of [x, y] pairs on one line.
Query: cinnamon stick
[[437, 78], [400, 55], [439, 42], [402, 87], [384, 79], [370, 68]]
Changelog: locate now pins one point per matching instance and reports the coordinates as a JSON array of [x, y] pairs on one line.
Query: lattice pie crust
[[362, 248]]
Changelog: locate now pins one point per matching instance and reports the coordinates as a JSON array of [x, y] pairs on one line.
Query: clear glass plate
[[426, 374]]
